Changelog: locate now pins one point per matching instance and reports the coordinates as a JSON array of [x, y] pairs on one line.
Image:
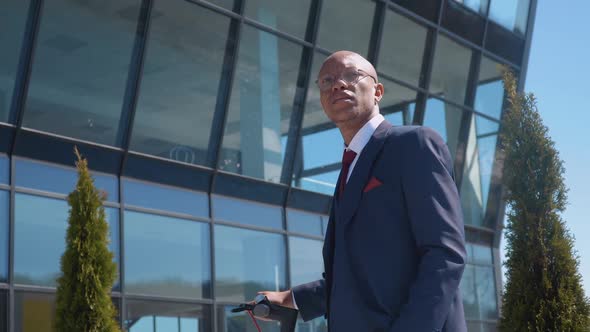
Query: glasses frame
[[361, 74]]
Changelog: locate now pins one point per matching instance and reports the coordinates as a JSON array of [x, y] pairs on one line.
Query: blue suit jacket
[[403, 240]]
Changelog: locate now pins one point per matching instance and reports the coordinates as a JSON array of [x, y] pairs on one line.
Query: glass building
[[201, 122]]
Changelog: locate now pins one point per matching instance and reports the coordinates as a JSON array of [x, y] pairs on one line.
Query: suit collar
[[348, 202], [362, 137]]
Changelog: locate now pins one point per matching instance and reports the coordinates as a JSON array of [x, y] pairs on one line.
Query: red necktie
[[347, 159]]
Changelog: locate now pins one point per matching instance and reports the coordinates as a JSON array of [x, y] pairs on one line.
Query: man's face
[[344, 100]]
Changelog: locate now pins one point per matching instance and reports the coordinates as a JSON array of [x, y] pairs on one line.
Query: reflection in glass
[[247, 262], [402, 47], [304, 222], [261, 104], [180, 82], [511, 14], [39, 238], [4, 169], [80, 68], [446, 119], [477, 173], [450, 70], [306, 260], [156, 316], [486, 292], [166, 256], [245, 212], [59, 179], [166, 198], [4, 234], [34, 312], [283, 15], [13, 17], [490, 90], [470, 300], [479, 292], [346, 25], [398, 101], [479, 254], [241, 322], [480, 6]]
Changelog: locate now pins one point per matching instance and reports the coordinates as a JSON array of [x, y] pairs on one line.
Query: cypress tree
[[543, 290], [88, 270]]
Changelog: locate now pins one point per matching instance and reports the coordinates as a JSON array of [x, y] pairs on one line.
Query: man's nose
[[339, 85]]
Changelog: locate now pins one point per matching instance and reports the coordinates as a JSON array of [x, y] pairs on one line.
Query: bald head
[[352, 58], [348, 96]]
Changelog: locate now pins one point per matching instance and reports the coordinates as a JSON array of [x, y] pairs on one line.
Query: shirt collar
[[362, 137]]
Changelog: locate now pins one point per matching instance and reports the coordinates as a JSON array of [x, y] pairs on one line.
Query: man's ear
[[379, 90]]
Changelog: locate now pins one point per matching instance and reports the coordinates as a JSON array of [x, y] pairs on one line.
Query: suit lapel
[[351, 196]]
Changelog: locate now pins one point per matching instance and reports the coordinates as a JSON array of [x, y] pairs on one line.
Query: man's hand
[[284, 299]]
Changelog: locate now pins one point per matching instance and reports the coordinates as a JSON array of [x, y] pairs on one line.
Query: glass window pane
[[4, 169], [39, 238], [166, 198], [283, 15], [180, 82], [246, 212], [402, 48], [356, 15], [482, 254], [304, 222], [34, 312], [166, 256], [490, 90], [247, 262], [261, 105], [60, 179], [4, 234], [317, 163], [325, 220], [228, 321], [477, 174], [319, 324], [480, 6], [450, 70], [80, 68], [473, 326], [306, 261], [465, 22], [156, 316], [489, 327], [426, 8], [468, 293], [511, 14], [397, 100], [13, 17], [486, 292], [446, 119]]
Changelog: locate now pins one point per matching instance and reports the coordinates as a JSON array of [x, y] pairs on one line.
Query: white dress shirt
[[361, 138], [357, 144]]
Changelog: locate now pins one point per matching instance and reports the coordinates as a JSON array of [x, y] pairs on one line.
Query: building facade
[[201, 121]]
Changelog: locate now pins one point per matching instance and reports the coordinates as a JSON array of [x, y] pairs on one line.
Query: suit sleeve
[[311, 299], [434, 210]]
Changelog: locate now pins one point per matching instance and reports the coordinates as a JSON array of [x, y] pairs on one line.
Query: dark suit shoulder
[[416, 137]]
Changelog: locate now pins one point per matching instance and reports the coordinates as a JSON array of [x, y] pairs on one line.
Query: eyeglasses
[[350, 76]]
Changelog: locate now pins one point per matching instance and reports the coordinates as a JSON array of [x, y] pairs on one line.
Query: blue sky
[[558, 74]]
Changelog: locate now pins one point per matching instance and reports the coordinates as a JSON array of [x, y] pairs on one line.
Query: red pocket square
[[373, 183]]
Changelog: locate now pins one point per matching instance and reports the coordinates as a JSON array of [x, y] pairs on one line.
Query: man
[[394, 250]]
